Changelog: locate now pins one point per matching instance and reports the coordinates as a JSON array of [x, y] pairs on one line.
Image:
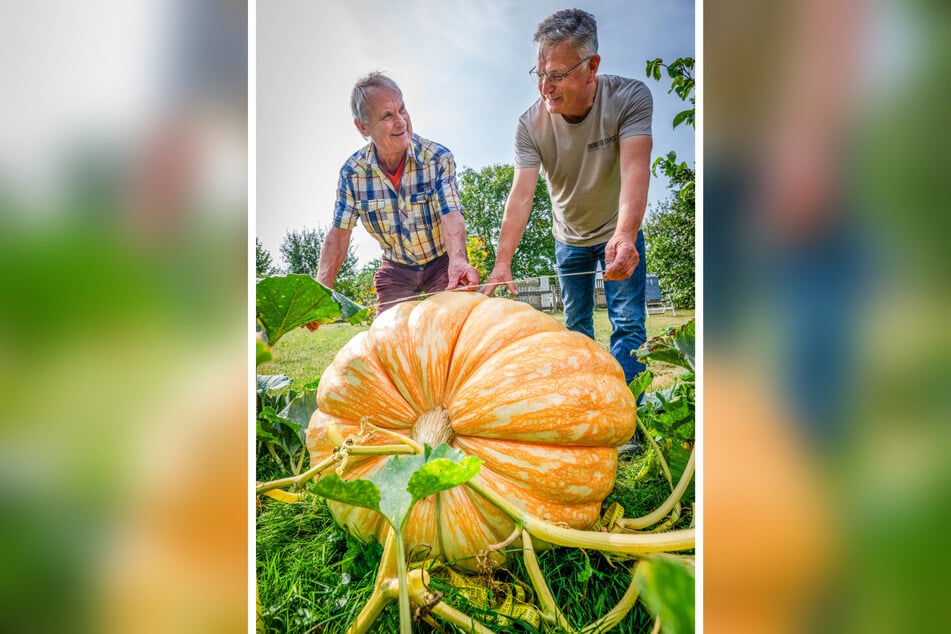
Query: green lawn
[[303, 355]]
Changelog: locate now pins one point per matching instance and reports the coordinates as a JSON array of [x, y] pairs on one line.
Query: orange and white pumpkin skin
[[542, 407]]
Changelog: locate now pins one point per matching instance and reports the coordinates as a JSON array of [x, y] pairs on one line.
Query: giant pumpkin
[[542, 407]]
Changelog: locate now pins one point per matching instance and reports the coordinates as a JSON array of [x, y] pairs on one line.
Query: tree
[[483, 195], [670, 228], [360, 286], [301, 253], [263, 264]]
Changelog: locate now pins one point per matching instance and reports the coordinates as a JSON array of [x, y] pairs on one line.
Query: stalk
[[546, 600], [298, 480], [384, 590], [632, 544], [672, 500], [406, 618]]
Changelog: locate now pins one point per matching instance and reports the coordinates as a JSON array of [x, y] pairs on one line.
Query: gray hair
[[574, 26], [358, 98]]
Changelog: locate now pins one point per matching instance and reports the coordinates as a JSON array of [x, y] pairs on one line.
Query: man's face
[[571, 96], [389, 126]]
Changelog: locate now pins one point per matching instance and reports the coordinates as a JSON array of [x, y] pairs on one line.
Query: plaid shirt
[[406, 223]]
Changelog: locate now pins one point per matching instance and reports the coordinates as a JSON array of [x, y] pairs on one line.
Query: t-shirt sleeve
[[345, 213], [526, 152], [447, 192], [636, 111]]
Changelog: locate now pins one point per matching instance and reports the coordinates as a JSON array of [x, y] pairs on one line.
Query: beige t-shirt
[[581, 161]]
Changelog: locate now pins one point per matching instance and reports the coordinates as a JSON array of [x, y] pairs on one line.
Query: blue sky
[[463, 68]]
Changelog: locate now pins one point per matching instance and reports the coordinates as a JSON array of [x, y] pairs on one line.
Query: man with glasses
[[591, 135], [403, 188]]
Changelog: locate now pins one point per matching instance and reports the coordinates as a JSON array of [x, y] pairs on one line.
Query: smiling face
[[388, 127], [573, 96]]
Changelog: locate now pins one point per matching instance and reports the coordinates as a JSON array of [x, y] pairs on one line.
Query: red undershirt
[[396, 176]]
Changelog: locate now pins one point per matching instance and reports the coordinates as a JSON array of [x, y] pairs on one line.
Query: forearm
[[332, 255], [635, 180], [454, 235], [514, 221]]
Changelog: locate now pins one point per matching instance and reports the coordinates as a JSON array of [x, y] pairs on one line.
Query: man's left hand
[[462, 276], [620, 258]]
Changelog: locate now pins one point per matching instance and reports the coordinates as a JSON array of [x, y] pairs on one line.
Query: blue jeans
[[625, 300]]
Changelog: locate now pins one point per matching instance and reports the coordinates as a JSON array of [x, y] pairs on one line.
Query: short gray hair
[[358, 98], [574, 26]]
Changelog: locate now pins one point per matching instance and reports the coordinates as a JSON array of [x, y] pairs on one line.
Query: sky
[[463, 69]]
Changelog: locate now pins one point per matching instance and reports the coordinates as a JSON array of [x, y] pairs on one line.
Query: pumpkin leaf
[[300, 409], [676, 346], [287, 302], [395, 500], [440, 474], [667, 588], [393, 490], [271, 382], [403, 481], [362, 493]]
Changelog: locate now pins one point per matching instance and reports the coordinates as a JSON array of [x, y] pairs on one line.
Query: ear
[[594, 63], [362, 128]]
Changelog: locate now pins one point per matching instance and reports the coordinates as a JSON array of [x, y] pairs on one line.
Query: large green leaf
[[362, 493], [270, 382], [288, 302], [300, 409], [676, 346], [667, 585], [393, 490], [446, 468]]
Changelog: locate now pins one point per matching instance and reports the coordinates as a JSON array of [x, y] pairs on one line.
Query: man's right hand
[[501, 274]]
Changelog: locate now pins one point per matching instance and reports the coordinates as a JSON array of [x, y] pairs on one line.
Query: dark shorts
[[397, 282]]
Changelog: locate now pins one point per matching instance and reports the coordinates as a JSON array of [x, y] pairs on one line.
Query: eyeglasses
[[555, 76]]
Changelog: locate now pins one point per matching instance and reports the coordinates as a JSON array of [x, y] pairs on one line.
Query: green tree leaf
[[483, 194]]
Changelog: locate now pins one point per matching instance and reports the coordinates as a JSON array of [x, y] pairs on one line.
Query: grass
[[313, 578]]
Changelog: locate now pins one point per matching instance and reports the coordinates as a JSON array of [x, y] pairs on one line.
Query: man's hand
[[620, 258], [462, 276], [501, 274], [312, 326]]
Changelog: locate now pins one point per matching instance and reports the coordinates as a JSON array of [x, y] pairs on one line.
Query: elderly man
[[591, 135], [403, 188]]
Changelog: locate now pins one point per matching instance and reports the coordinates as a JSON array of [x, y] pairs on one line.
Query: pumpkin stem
[[433, 428]]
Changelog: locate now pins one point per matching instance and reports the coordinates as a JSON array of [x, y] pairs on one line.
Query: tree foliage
[[263, 265], [682, 84], [670, 227], [670, 234], [360, 287], [483, 194], [300, 251]]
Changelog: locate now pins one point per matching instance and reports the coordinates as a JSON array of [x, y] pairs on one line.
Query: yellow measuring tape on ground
[[513, 606]]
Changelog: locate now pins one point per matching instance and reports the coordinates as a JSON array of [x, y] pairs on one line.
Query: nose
[[546, 85]]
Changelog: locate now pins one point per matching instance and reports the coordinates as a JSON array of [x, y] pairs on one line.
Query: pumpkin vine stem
[[298, 481], [672, 502], [628, 543], [551, 613]]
